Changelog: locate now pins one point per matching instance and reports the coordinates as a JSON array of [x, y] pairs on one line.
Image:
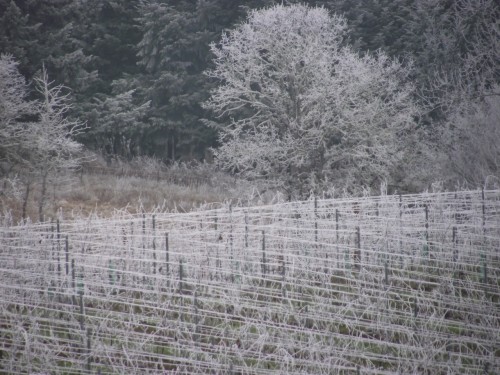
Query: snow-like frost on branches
[[35, 135], [299, 106], [13, 107]]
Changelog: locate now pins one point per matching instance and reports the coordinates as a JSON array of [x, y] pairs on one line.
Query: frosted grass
[[374, 285]]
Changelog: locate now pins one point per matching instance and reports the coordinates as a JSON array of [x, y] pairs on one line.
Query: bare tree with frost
[[463, 52], [15, 110], [473, 141], [36, 138], [55, 132], [303, 111]]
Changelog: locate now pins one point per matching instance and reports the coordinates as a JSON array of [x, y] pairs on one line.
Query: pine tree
[[113, 111], [174, 53], [19, 36]]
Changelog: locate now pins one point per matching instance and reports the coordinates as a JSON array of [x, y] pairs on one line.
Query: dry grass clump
[[106, 193], [139, 186]]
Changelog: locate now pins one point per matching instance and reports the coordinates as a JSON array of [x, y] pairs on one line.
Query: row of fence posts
[[357, 253], [264, 261], [77, 287], [264, 267]]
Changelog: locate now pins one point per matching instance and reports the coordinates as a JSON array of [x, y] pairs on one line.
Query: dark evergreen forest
[[135, 68]]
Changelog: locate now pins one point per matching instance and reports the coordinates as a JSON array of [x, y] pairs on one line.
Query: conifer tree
[[174, 52]]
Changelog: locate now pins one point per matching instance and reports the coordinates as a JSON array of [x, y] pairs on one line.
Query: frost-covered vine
[[378, 285]]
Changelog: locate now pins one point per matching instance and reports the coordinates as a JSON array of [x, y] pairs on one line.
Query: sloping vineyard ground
[[379, 285]]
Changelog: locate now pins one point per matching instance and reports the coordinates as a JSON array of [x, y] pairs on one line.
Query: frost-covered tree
[[458, 59], [35, 135], [460, 51], [36, 138], [472, 141], [52, 134], [15, 114], [301, 110]]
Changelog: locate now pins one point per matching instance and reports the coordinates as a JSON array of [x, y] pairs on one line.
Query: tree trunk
[[173, 148], [42, 197], [26, 196]]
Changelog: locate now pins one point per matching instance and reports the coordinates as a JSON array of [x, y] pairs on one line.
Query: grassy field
[[145, 186], [376, 285]]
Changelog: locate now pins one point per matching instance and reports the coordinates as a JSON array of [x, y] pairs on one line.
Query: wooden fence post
[[58, 251], [316, 220], [167, 260], [89, 358], [263, 264], [357, 252], [82, 322], [337, 236], [154, 245], [67, 255]]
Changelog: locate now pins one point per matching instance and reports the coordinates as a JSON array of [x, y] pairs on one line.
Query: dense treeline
[[136, 68]]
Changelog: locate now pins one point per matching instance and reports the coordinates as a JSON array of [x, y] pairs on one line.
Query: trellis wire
[[375, 285]]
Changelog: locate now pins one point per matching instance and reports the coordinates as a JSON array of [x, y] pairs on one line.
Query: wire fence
[[378, 285], [179, 177]]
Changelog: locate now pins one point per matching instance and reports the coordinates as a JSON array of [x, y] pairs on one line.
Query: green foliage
[[18, 36]]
